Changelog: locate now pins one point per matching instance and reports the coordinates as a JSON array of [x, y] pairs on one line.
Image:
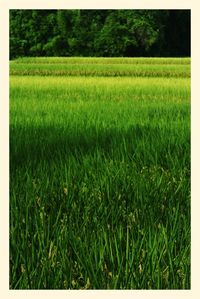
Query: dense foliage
[[99, 33]]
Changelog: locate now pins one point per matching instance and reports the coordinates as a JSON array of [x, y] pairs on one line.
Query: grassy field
[[100, 173]]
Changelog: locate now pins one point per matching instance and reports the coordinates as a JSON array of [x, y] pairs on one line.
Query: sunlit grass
[[99, 182], [103, 60], [142, 67]]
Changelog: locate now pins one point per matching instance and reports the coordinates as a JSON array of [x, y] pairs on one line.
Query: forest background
[[101, 33]]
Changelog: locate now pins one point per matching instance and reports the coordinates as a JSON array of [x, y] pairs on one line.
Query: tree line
[[106, 33]]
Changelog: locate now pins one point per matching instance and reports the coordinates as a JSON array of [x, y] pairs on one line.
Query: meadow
[[100, 173]]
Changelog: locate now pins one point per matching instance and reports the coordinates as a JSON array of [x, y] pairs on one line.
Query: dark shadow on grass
[[33, 145]]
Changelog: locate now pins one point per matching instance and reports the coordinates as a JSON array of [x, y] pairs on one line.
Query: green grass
[[102, 60], [142, 67], [99, 177]]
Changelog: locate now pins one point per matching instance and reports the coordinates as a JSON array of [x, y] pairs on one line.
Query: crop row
[[100, 70], [103, 60]]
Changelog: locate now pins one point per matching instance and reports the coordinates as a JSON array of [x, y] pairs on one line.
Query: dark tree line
[[99, 33]]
